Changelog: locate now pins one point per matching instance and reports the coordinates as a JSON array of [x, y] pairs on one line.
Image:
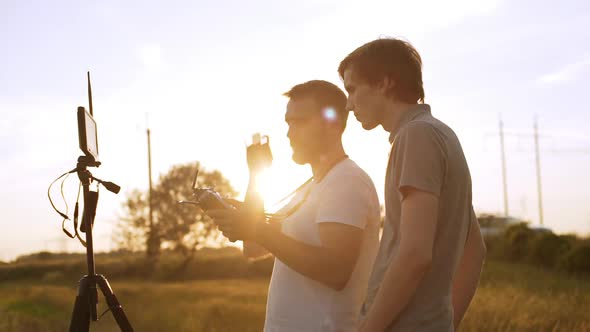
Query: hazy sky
[[209, 74]]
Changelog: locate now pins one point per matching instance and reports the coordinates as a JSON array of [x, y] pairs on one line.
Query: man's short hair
[[393, 58], [326, 94]]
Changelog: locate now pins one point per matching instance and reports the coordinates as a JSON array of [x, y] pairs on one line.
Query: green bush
[[540, 247], [514, 244], [577, 260], [545, 249]]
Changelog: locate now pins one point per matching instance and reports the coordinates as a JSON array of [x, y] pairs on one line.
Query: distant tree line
[[541, 247], [185, 229]]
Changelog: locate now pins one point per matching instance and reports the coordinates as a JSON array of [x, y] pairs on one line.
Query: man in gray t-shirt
[[431, 251]]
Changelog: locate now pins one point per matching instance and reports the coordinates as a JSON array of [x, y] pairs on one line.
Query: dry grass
[[523, 298], [228, 305], [510, 298]]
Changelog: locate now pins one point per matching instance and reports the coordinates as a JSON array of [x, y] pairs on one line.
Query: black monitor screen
[[87, 134]]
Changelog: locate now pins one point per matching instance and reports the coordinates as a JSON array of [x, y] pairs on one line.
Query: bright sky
[[210, 73]]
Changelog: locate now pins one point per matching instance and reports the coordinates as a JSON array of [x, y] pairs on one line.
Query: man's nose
[[349, 105]]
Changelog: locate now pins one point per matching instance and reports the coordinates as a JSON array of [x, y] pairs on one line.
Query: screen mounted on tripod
[[87, 134]]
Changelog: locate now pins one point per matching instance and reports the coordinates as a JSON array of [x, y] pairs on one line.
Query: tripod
[[87, 298]]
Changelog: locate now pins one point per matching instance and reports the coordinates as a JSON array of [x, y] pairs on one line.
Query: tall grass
[[211, 305], [511, 297], [514, 297]]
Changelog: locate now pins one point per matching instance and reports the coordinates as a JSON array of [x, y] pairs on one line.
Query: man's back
[[427, 156]]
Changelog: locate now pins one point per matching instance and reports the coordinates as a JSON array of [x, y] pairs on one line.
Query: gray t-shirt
[[426, 155]]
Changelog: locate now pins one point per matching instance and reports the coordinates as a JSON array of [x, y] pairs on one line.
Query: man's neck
[[326, 161], [394, 113]]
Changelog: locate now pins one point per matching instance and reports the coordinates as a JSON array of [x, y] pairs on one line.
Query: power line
[[537, 150]]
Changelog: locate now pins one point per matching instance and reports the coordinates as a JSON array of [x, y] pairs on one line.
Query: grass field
[[510, 298]]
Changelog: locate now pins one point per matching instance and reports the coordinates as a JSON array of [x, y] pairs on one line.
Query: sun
[[275, 186]]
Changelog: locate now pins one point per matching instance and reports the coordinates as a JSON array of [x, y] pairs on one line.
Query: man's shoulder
[[425, 123], [425, 129], [350, 169], [349, 174]]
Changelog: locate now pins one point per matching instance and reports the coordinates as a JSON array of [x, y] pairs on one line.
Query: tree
[[133, 229], [180, 227]]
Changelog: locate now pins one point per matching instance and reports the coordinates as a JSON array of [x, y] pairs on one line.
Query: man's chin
[[299, 159], [369, 126], [366, 124]]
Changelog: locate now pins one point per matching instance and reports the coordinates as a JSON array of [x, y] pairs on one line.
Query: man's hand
[[411, 261], [258, 157], [362, 325], [238, 224], [365, 326], [234, 202], [468, 271]]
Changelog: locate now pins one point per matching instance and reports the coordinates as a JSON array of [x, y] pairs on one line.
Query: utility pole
[[538, 162], [582, 150], [153, 241], [150, 178], [504, 181]]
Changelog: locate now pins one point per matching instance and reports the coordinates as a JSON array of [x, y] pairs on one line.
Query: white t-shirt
[[297, 303]]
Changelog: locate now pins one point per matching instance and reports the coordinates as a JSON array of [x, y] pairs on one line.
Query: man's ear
[[335, 124], [386, 85]]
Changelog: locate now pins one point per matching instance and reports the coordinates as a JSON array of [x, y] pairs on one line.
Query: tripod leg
[[114, 304], [80, 321]]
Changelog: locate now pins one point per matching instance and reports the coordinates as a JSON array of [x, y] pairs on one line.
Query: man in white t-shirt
[[327, 237]]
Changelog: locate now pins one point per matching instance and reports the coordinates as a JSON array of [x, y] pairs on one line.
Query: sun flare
[[275, 187]]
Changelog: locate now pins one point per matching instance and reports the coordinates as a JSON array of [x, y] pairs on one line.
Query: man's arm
[[255, 202], [331, 263], [250, 249], [254, 250], [258, 158], [419, 212], [467, 275], [343, 209]]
